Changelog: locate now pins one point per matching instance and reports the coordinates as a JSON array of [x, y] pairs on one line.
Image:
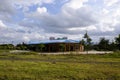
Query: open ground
[[33, 66]]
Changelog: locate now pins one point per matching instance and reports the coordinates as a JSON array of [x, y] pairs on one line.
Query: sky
[[36, 20]]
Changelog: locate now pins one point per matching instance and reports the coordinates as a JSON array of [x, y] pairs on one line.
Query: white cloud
[[110, 2], [25, 4], [89, 28], [75, 4], [41, 10], [72, 20], [65, 20], [105, 11], [106, 28], [2, 25]]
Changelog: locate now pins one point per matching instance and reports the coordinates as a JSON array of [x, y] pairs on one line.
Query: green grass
[[59, 67]]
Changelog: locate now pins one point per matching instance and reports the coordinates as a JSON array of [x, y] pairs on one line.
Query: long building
[[59, 45]]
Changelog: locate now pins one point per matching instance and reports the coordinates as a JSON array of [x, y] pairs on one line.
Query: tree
[[117, 40], [40, 47], [22, 46], [112, 46], [62, 47], [7, 46], [103, 44], [88, 41], [82, 42]]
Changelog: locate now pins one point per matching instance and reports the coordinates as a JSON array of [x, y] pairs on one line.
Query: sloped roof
[[55, 41]]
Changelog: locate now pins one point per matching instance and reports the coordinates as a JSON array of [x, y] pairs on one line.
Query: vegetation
[[59, 67], [22, 46], [7, 47], [40, 47], [62, 47], [117, 39], [103, 44], [87, 42]]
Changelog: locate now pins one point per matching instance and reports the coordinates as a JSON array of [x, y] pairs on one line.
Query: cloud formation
[[28, 20]]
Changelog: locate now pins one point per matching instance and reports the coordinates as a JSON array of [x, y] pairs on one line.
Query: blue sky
[[35, 20]]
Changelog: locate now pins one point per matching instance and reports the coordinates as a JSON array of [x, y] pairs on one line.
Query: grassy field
[[59, 67]]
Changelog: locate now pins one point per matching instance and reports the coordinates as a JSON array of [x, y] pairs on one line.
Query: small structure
[[60, 45]]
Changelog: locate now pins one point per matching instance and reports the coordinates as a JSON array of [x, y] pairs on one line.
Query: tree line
[[102, 45]]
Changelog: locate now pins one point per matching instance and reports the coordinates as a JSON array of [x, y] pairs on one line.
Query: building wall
[[56, 47]]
